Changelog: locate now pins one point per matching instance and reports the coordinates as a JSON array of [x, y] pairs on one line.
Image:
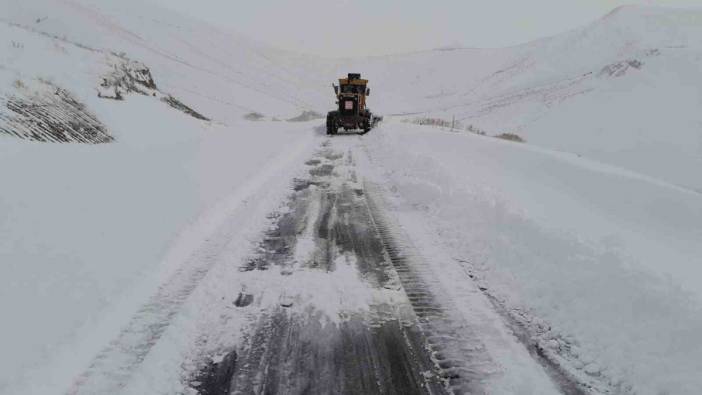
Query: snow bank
[[608, 259], [89, 232], [84, 227]]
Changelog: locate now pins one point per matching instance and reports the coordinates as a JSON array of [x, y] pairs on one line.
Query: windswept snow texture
[[45, 112], [570, 260]]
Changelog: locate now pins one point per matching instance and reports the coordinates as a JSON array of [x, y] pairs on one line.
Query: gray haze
[[376, 27]]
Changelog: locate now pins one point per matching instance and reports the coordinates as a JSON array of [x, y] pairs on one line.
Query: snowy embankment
[[601, 265], [89, 232]]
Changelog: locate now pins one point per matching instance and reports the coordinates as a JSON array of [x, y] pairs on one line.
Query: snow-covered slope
[[86, 231], [229, 75], [624, 90]]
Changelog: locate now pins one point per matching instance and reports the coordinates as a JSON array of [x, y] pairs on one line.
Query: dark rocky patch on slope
[[306, 116], [619, 69], [49, 113], [129, 76], [178, 105], [254, 116]]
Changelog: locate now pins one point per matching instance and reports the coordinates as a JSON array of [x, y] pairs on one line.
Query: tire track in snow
[[112, 367], [203, 246], [344, 326], [417, 273], [458, 354], [418, 342]]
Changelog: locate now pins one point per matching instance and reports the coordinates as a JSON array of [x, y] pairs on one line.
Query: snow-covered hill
[[594, 243], [229, 75], [624, 90]]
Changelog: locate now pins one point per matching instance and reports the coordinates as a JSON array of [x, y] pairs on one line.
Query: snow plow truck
[[352, 112]]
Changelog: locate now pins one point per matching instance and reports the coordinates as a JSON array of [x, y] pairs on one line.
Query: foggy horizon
[[385, 31]]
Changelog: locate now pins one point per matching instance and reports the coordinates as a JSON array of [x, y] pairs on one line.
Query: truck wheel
[[331, 126], [366, 127], [331, 123]]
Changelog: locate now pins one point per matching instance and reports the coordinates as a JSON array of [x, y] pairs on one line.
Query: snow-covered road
[[331, 317], [187, 254], [348, 265], [333, 298]]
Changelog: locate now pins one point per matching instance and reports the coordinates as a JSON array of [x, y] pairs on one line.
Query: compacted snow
[[569, 260]]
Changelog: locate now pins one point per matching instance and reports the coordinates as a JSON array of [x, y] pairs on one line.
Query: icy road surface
[[333, 299]]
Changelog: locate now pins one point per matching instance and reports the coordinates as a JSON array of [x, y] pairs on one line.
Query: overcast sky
[[377, 27]]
